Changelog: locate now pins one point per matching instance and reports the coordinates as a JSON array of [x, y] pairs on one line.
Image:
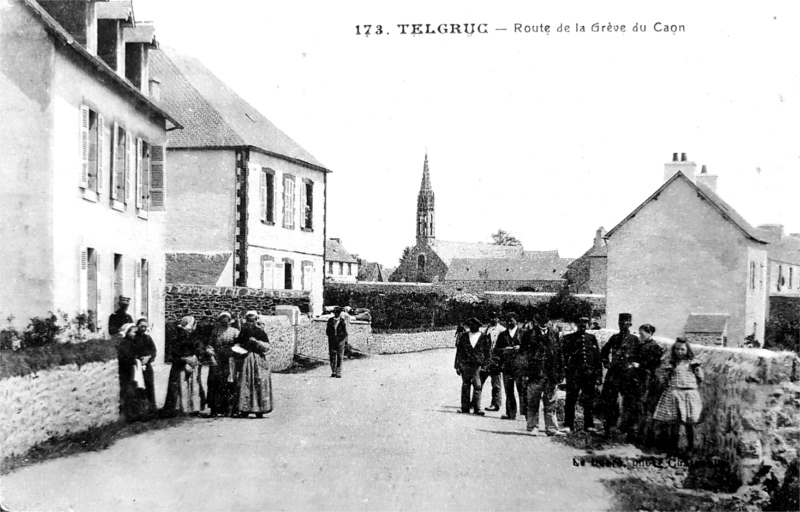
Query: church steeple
[[425, 206]]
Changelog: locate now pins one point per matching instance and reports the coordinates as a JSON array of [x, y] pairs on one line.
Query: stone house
[[783, 274], [707, 329], [589, 273], [686, 251], [83, 163], [242, 191], [340, 265], [533, 272]]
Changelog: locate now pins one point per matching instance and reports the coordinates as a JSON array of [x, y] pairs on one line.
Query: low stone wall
[[401, 343], [751, 407], [56, 402], [281, 334], [313, 342], [206, 302]]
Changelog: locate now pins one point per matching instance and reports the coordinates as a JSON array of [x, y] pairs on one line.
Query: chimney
[[707, 180], [685, 166], [337, 240], [155, 89], [77, 18], [599, 241], [775, 229]]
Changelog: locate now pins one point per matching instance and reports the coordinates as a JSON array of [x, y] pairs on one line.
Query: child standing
[[681, 404]]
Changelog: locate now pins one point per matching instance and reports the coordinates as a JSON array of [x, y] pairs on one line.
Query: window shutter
[[97, 273], [157, 161], [277, 276], [291, 204], [302, 206], [83, 280], [101, 152], [263, 196], [310, 206], [137, 287], [114, 150], [269, 271], [84, 146], [128, 165], [285, 202], [138, 190], [145, 173]]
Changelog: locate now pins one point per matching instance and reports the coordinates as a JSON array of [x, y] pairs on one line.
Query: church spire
[[425, 206]]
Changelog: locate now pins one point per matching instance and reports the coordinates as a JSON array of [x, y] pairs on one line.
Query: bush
[[37, 358], [782, 334]]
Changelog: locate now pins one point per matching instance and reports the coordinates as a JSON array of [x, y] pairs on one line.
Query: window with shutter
[[114, 153], [145, 288], [158, 156], [270, 196], [83, 278], [288, 201], [307, 205], [84, 147], [129, 163], [263, 196], [267, 274], [145, 172], [301, 207], [101, 153], [139, 153]]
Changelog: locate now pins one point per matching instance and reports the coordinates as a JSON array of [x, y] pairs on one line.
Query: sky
[[545, 135]]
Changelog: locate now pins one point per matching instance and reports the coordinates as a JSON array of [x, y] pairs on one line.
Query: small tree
[[504, 238]]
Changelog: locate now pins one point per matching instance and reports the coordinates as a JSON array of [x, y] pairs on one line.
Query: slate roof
[[714, 200], [448, 251], [194, 268], [109, 76], [374, 272], [335, 251], [706, 323], [114, 10], [505, 269], [141, 33], [785, 250], [213, 115]]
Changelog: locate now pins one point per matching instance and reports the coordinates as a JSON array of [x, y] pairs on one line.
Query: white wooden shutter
[[137, 288], [291, 207], [97, 279], [308, 275], [128, 164], [268, 267], [302, 206], [138, 190], [278, 276], [157, 161], [114, 156], [263, 196], [84, 146], [145, 173], [101, 152], [83, 280]]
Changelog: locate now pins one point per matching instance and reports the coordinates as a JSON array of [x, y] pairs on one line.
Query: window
[[288, 201], [341, 268], [92, 293], [791, 276], [330, 267], [288, 277], [118, 278], [120, 160], [145, 288], [421, 262], [142, 176], [92, 151], [267, 271], [307, 275], [307, 205], [761, 277], [752, 275], [349, 269], [267, 196], [155, 178], [781, 281]]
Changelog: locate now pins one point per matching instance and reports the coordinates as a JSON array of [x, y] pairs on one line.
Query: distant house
[[83, 168], [589, 273], [340, 265], [684, 251], [532, 272], [784, 273], [707, 329], [241, 191], [370, 271]]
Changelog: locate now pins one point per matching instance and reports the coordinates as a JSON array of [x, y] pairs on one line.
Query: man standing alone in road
[[473, 351], [337, 331]]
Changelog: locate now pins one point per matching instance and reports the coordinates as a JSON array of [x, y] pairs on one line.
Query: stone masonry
[[205, 302]]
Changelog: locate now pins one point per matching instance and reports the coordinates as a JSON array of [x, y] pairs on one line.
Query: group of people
[[239, 380], [531, 360]]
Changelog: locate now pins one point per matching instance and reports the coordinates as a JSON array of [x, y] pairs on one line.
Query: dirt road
[[384, 437]]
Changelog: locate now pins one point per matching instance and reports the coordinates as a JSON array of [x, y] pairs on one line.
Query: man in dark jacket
[[473, 351], [337, 330], [492, 369], [584, 371], [619, 356], [545, 372], [506, 349]]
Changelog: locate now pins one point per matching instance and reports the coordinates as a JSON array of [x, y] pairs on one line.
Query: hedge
[[35, 359]]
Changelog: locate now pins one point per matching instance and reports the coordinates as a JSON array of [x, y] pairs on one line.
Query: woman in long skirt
[[222, 367], [183, 386], [255, 377], [134, 355]]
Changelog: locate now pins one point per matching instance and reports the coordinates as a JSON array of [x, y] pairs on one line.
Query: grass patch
[[93, 439]]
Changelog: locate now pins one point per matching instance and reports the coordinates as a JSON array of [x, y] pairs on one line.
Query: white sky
[[546, 136]]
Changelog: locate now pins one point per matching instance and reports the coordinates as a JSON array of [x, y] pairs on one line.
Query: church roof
[[506, 269], [213, 115], [448, 251]]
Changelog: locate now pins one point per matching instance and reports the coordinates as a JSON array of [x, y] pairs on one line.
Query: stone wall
[[281, 334], [313, 342], [205, 302], [401, 343], [51, 403], [751, 406]]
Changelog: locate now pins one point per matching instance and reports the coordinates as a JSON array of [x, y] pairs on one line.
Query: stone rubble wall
[[52, 403], [206, 302], [751, 406], [402, 343], [313, 342], [281, 334]]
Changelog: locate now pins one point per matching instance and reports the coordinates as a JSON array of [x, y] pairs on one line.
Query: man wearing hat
[[545, 371], [119, 317], [618, 355], [493, 368], [337, 331], [473, 351], [584, 371], [507, 347]]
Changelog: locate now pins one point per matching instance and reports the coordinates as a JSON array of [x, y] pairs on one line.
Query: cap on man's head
[[625, 317], [124, 300], [583, 320], [473, 321], [338, 309], [224, 314], [512, 315]]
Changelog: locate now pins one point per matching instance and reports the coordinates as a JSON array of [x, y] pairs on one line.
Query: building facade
[[589, 273], [684, 251], [248, 203], [83, 200], [340, 265]]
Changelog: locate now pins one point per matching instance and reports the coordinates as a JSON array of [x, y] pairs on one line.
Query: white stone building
[[340, 265]]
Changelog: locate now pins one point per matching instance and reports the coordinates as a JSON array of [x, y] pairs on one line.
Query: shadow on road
[[507, 433]]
